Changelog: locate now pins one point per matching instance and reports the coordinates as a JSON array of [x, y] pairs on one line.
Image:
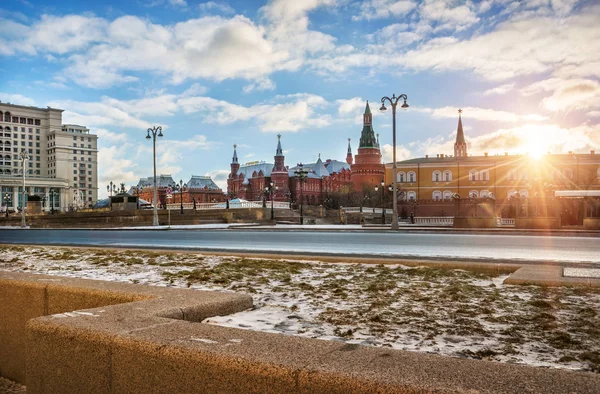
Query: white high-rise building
[[63, 159]]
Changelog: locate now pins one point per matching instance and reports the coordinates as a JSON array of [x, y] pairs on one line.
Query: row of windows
[[6, 130], [483, 175], [447, 194], [17, 171], [15, 119]]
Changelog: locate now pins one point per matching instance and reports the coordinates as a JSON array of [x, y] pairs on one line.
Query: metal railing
[[232, 205], [434, 220], [506, 221]]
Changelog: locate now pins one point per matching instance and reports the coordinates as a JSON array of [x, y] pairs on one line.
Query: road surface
[[360, 243]]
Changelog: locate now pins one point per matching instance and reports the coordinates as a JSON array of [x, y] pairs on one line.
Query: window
[[412, 177], [484, 194], [473, 194], [567, 173], [511, 175], [437, 195], [473, 175], [511, 194], [524, 193], [447, 195], [484, 175], [447, 176], [400, 177], [436, 176], [412, 195]]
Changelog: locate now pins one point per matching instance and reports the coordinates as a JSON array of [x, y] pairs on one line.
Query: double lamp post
[[393, 101]]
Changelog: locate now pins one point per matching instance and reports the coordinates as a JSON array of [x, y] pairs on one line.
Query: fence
[[232, 205], [506, 222], [434, 220]]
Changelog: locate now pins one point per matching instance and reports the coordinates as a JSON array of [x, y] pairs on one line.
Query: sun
[[535, 151]]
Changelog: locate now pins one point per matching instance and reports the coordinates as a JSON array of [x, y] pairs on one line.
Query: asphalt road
[[363, 243]]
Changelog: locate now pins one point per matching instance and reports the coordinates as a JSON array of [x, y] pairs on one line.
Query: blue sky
[[222, 72]]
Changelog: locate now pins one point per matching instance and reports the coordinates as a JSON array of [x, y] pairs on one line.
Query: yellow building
[[436, 179]]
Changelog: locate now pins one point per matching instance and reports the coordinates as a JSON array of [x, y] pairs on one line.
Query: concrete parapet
[[552, 276], [537, 223], [147, 340], [474, 222]]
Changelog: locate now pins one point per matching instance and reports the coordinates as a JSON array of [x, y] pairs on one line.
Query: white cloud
[[378, 9], [448, 16], [502, 89], [402, 153], [211, 6], [14, 98], [94, 114], [528, 138], [260, 85], [109, 136], [287, 113], [219, 177], [115, 167], [194, 90], [484, 114], [350, 106]]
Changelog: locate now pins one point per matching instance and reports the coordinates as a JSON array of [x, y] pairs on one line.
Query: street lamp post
[[393, 102], [6, 199], [382, 201], [270, 190], [155, 131], [111, 188], [179, 187], [301, 174], [53, 194], [24, 157]]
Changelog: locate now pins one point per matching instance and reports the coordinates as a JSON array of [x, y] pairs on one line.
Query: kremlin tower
[[367, 169], [460, 146], [279, 174]]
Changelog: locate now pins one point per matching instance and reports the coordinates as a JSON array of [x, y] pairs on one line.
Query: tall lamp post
[[111, 188], [53, 194], [155, 131], [6, 199], [382, 201], [179, 187], [301, 174], [269, 190], [394, 102], [24, 157]]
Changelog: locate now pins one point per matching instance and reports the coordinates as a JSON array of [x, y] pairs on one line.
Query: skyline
[[213, 74]]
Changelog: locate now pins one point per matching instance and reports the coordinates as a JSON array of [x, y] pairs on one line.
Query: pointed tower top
[[377, 139], [460, 135], [319, 156], [279, 151], [235, 158], [460, 146], [367, 108], [349, 154]]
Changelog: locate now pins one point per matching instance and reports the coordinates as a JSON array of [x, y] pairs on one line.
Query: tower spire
[[349, 154], [279, 151], [460, 146], [235, 158], [279, 158], [367, 136]]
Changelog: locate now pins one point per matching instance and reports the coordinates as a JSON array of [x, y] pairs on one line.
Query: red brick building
[[199, 188], [249, 181]]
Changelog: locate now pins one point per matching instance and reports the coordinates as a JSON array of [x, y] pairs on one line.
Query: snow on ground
[[451, 312]]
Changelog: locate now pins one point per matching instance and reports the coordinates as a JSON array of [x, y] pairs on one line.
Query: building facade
[[251, 181], [433, 181], [63, 159], [198, 189]]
